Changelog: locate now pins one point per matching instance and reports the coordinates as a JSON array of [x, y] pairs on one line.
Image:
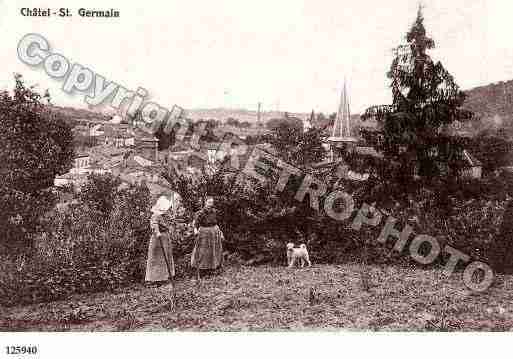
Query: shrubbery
[[83, 250], [258, 221], [35, 146]]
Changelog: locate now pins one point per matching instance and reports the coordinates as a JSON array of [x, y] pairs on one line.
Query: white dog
[[301, 253]]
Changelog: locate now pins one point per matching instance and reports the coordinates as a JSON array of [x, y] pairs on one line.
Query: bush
[[35, 146], [258, 222], [82, 251], [99, 192], [501, 256], [86, 250]]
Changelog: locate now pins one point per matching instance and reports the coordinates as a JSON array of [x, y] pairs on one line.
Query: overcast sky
[[289, 55]]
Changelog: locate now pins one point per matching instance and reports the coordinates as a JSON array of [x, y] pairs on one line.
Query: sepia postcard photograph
[[218, 170]]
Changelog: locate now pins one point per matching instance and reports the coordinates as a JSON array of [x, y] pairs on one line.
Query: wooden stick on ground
[[196, 249]]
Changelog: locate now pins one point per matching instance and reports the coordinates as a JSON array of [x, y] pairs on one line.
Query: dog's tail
[[303, 246]]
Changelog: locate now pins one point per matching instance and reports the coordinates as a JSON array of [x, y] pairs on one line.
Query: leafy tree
[[295, 146], [166, 140], [232, 122], [100, 192], [210, 126], [83, 252], [256, 220], [426, 101], [274, 123], [36, 145], [212, 122]]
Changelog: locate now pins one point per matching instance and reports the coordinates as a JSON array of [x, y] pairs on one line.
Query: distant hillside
[[493, 104], [241, 115], [251, 116], [76, 115]]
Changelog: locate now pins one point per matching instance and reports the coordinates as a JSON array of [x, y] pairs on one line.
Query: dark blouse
[[207, 217]]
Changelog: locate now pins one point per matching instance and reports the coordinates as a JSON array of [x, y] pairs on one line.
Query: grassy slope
[[277, 298]]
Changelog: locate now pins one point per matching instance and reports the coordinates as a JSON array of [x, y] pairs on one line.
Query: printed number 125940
[[18, 349]]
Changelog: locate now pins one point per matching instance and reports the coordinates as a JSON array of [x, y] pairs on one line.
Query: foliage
[[322, 121], [426, 100], [236, 123], [99, 192], [492, 150], [295, 146], [166, 140], [208, 134], [502, 254], [256, 220], [81, 253], [83, 250], [290, 122], [36, 145], [232, 122]]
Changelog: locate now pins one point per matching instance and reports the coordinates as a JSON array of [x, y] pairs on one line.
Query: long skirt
[[208, 248], [156, 267]]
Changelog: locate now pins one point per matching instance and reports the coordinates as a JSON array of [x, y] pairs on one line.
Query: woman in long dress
[[208, 248], [160, 263]]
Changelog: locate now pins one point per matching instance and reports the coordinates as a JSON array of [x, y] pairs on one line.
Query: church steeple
[[341, 134], [342, 126]]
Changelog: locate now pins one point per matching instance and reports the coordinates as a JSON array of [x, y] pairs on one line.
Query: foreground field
[[327, 297]]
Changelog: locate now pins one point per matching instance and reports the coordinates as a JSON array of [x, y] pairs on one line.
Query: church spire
[[341, 139], [342, 127]]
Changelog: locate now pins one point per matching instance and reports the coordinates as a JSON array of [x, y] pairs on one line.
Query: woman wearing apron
[[208, 247], [160, 251]]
